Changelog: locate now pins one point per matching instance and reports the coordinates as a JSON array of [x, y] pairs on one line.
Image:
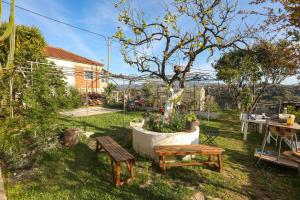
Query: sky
[[98, 16]]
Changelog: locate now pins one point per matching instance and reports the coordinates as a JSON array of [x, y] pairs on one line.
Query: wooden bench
[[117, 155], [184, 150]]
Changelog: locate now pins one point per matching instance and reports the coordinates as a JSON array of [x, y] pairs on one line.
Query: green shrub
[[291, 109], [155, 123], [191, 117], [37, 98], [73, 99], [114, 105], [211, 105]]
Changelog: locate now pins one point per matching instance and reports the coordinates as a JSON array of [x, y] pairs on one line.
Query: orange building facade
[[81, 73]]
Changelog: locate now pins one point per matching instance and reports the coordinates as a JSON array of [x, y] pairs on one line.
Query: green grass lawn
[[77, 173]]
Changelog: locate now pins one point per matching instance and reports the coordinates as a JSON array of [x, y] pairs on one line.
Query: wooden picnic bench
[[184, 150], [117, 155]]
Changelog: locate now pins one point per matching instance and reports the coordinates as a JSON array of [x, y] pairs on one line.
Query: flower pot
[[137, 124], [71, 137], [191, 125]]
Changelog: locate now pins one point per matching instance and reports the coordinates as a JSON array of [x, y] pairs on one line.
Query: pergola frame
[[196, 76]]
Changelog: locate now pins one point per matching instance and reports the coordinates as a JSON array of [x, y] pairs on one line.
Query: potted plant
[[191, 121], [137, 122]]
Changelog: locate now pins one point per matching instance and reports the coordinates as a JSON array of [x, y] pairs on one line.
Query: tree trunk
[[173, 97], [257, 98]]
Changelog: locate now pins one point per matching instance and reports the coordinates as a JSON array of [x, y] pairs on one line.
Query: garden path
[[80, 112]]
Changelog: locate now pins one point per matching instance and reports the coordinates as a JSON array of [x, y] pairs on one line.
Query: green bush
[[155, 123], [191, 117], [37, 100], [211, 105], [73, 99], [114, 105]]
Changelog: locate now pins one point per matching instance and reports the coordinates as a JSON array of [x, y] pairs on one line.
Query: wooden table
[[281, 131], [184, 150], [117, 155], [245, 123]]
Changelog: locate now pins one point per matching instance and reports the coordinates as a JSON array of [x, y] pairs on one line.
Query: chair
[[211, 135]]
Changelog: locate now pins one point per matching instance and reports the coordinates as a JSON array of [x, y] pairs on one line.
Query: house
[[82, 73]]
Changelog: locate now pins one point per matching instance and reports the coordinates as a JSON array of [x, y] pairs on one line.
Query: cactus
[[9, 32], [11, 23]]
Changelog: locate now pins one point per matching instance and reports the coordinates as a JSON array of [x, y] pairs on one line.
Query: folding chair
[[211, 135]]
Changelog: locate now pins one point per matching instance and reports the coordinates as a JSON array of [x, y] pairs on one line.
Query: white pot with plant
[[137, 122]]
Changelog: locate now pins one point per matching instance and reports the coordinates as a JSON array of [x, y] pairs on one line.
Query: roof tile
[[66, 55]]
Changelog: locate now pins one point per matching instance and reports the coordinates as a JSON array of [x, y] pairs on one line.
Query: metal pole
[[86, 103], [11, 97], [108, 57], [194, 97], [124, 107]]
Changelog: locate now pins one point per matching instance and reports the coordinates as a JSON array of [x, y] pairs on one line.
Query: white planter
[[137, 124], [144, 141]]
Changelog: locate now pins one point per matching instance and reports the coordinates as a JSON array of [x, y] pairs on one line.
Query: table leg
[[269, 138], [164, 164], [97, 146], [296, 143], [112, 170], [220, 162], [118, 174], [245, 131], [263, 145], [279, 149], [131, 168], [242, 127], [260, 127]]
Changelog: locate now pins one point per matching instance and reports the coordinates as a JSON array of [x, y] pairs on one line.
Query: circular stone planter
[[137, 124], [144, 141]]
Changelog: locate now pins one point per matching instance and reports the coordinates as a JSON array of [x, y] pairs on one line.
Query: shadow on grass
[[78, 173], [194, 178], [266, 180]]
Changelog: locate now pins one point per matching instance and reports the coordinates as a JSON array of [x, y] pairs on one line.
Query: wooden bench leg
[[112, 170], [209, 158], [220, 162], [164, 164], [132, 168], [97, 147], [118, 174]]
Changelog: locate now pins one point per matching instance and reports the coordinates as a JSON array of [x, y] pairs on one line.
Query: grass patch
[[77, 173]]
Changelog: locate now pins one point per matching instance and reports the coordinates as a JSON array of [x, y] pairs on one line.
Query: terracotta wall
[[83, 84]]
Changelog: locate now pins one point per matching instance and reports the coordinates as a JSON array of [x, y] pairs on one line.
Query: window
[[88, 75]]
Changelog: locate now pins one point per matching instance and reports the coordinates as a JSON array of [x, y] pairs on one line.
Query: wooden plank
[[290, 155], [273, 159], [171, 150], [190, 164], [295, 126], [117, 152], [187, 150]]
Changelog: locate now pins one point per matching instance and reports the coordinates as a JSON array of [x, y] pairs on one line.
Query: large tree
[[29, 45], [187, 29], [239, 70], [264, 64], [280, 16], [36, 95]]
